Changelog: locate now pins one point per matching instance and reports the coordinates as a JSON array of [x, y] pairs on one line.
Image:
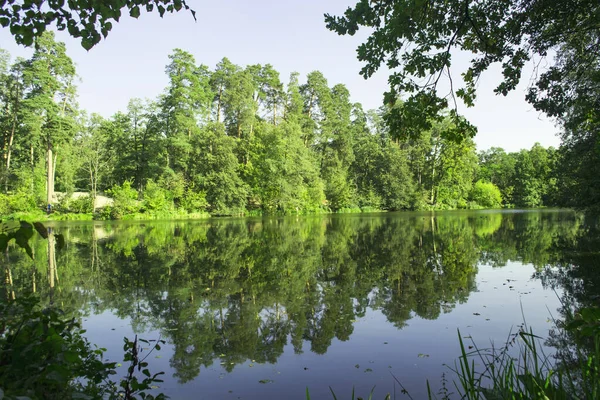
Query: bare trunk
[[51, 264], [432, 198], [8, 278], [433, 234], [219, 105], [50, 177], [9, 151], [93, 184], [310, 103], [11, 139], [54, 172], [31, 163], [275, 114]]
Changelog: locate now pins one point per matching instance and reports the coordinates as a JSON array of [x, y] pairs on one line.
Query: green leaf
[[135, 12]]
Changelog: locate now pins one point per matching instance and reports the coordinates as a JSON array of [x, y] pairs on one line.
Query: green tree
[[380, 169], [444, 169], [498, 167], [94, 152], [215, 171], [285, 176], [49, 102], [335, 146], [486, 194], [533, 182], [507, 33], [185, 102], [137, 142], [11, 103]]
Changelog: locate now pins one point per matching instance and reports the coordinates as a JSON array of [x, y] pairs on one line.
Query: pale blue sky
[[290, 35]]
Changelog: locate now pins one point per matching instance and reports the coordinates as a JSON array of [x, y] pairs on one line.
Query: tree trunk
[[51, 263], [54, 172], [219, 105], [31, 163], [9, 151], [93, 184], [50, 179]]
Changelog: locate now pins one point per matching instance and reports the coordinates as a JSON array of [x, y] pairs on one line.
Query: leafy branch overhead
[[416, 40], [89, 20]]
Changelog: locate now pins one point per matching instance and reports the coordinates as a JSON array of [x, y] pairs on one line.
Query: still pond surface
[[264, 308]]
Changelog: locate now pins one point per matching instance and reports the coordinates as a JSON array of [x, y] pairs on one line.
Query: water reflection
[[229, 291]]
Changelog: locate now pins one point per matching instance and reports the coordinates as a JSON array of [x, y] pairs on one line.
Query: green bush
[[4, 208], [81, 205], [157, 198], [124, 200], [192, 201], [103, 214], [19, 202], [44, 355], [486, 194]]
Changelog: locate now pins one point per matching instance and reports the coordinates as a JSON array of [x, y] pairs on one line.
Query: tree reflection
[[230, 291]]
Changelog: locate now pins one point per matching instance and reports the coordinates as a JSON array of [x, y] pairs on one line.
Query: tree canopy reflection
[[235, 290]]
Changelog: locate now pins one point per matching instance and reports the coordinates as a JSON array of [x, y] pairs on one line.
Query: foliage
[[498, 167], [124, 200], [486, 194], [17, 202], [416, 40], [27, 20], [192, 201], [44, 355], [79, 205], [156, 198], [531, 375]]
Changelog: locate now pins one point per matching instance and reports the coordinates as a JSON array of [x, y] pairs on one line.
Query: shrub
[[124, 200], [192, 201], [17, 202], [81, 205], [157, 198], [44, 355], [4, 209], [486, 194]]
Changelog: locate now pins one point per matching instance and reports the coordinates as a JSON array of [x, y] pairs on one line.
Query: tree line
[[232, 140]]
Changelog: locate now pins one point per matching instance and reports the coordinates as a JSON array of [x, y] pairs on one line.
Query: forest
[[237, 140]]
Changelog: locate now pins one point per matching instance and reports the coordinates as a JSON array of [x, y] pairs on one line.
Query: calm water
[[263, 308]]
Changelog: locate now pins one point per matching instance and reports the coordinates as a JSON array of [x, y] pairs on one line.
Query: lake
[[256, 308]]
